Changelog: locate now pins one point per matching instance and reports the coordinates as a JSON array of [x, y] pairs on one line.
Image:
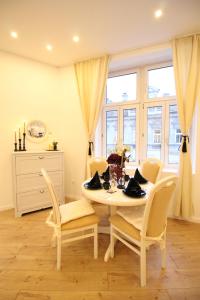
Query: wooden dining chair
[[72, 221], [151, 169], [98, 164], [152, 228]]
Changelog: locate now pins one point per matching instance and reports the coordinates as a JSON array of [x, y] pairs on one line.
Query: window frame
[[166, 163], [122, 73], [141, 103], [120, 108], [145, 132], [154, 67]]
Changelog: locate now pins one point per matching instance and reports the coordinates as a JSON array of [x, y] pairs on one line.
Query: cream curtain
[[91, 78], [186, 60]]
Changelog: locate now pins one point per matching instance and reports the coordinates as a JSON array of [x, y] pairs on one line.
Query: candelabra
[[20, 144], [15, 146], [24, 139], [21, 141]]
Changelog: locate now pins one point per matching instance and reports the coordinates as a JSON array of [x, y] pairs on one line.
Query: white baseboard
[[191, 219], [6, 207], [195, 219], [70, 198]]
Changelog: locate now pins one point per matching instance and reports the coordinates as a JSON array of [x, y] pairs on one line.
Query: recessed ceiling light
[[158, 13], [76, 39], [49, 47], [14, 34]]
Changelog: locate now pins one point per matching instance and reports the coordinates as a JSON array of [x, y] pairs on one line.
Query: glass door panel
[[154, 131], [174, 136], [111, 131], [129, 131]]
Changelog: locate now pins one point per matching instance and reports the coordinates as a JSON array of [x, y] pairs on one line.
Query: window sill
[[130, 170], [170, 170]]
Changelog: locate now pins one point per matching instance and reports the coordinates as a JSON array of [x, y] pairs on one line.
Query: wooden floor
[[27, 265]]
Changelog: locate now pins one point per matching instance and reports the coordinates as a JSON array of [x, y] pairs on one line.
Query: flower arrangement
[[119, 156], [117, 159]]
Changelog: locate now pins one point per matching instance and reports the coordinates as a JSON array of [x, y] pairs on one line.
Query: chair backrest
[[98, 164], [55, 205], [151, 169], [156, 209]]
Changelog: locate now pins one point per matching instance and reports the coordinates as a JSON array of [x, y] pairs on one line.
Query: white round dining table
[[113, 200], [118, 198]]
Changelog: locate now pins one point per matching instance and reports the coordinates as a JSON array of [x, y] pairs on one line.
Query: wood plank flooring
[[28, 265]]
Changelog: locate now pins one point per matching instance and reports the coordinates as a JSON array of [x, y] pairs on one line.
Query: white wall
[[74, 137], [28, 91], [196, 176]]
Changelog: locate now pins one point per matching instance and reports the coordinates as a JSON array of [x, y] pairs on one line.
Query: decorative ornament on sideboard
[[21, 146]]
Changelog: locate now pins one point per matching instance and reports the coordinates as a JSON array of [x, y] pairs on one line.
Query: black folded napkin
[[133, 185], [139, 178], [133, 189], [135, 194], [106, 174], [94, 183]]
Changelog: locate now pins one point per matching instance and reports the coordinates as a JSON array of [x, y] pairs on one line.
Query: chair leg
[[53, 240], [143, 266], [95, 242], [58, 252], [112, 242], [163, 252]]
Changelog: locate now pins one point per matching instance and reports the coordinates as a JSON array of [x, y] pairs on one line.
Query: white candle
[[24, 127], [15, 137], [19, 134]]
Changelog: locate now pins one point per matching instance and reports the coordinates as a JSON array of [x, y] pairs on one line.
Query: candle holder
[[24, 142], [15, 147], [20, 144]]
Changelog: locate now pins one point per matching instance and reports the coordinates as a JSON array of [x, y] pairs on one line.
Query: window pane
[[129, 131], [121, 88], [161, 83], [174, 135], [111, 131], [154, 131]]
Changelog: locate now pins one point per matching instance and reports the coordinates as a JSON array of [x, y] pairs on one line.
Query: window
[[161, 83], [154, 131], [178, 136], [121, 88], [121, 128], [157, 136], [129, 131], [111, 130], [148, 124], [174, 135]]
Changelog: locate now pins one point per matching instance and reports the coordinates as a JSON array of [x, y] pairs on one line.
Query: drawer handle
[[39, 174], [41, 191], [40, 157]]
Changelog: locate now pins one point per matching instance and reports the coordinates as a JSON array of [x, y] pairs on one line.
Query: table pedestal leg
[[108, 252], [112, 211]]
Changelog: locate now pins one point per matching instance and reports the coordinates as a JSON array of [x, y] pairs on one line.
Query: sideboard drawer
[[30, 189], [36, 181], [33, 163], [36, 199]]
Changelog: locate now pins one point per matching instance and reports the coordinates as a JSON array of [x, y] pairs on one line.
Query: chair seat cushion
[[133, 215], [81, 222], [74, 210], [125, 227]]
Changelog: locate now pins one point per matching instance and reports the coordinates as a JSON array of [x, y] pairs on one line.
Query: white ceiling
[[104, 26]]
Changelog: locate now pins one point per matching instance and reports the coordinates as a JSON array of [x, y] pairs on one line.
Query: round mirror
[[36, 130]]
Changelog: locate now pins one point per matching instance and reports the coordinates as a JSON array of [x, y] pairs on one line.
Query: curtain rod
[[186, 35], [139, 51]]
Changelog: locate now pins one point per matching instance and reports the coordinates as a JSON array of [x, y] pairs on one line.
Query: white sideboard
[[30, 190]]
